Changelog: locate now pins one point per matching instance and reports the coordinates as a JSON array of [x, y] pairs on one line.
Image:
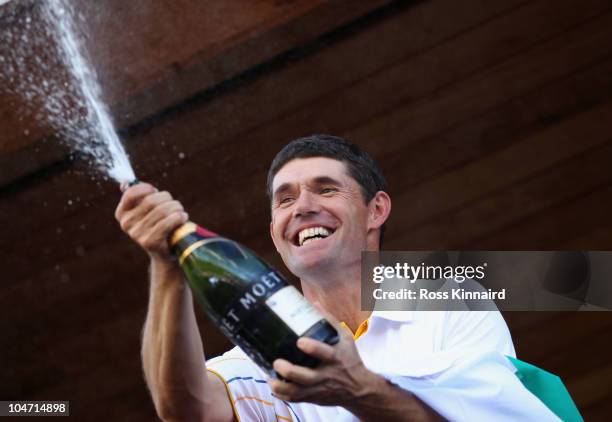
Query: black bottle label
[[272, 294]]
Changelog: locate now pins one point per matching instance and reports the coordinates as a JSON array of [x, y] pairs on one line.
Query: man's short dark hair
[[360, 165]]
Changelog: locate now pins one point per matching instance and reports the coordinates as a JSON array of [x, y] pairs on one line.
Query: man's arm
[[172, 351], [173, 355]]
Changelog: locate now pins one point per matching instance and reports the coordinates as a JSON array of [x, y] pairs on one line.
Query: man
[[397, 366]]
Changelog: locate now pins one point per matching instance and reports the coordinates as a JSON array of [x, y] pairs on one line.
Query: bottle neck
[[185, 238]]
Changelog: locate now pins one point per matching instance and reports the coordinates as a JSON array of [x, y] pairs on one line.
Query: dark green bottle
[[252, 304]]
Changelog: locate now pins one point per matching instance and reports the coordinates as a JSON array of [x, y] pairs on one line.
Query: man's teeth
[[312, 233]]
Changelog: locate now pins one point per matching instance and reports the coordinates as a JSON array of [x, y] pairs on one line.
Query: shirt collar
[[397, 316]]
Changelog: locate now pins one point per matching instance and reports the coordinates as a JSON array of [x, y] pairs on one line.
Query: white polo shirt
[[452, 360]]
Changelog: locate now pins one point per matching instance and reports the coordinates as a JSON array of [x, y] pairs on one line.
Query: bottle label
[[252, 299], [289, 304]]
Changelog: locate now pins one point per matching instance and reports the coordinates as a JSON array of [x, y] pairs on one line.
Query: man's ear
[[272, 235], [379, 210]]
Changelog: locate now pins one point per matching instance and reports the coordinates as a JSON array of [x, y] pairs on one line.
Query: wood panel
[[226, 152], [183, 49], [489, 118], [220, 170], [470, 207]]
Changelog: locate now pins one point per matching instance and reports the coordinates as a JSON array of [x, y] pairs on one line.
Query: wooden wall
[[491, 120]]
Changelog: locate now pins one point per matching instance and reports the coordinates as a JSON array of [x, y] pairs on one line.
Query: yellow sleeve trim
[[289, 411], [269, 403], [229, 392], [361, 330]]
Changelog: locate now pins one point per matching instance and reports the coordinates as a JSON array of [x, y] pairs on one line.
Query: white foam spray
[[46, 64]]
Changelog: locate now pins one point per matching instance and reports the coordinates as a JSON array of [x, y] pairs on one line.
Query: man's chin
[[312, 264]]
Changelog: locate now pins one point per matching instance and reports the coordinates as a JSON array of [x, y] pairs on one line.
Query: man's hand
[[149, 217], [343, 380], [340, 379]]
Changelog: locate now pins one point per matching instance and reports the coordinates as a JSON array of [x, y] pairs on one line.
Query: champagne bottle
[[252, 304]]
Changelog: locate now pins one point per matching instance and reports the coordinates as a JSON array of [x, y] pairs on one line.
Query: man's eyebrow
[[319, 180], [326, 180], [281, 189]]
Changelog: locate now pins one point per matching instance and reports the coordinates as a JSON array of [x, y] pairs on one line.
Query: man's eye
[[285, 200], [328, 190]]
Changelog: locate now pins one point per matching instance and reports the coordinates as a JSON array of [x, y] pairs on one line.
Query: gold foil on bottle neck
[[182, 231]]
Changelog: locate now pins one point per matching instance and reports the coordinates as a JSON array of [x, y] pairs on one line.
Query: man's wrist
[[372, 386], [165, 273], [381, 399], [164, 265]]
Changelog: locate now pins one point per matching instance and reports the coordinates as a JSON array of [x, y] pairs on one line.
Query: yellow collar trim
[[361, 330]]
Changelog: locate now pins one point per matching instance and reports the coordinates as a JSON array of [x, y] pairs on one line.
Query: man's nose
[[306, 204]]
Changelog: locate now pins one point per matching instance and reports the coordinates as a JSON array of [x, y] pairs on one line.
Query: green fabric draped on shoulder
[[549, 389]]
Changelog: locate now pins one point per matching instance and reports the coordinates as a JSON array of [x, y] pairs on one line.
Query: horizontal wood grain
[[490, 119]]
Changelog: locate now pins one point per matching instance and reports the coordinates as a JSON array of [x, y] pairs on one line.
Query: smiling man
[[328, 203]]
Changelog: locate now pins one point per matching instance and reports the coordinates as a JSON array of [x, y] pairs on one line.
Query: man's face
[[319, 216]]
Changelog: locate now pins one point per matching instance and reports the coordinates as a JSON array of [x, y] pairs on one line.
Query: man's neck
[[339, 294]]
